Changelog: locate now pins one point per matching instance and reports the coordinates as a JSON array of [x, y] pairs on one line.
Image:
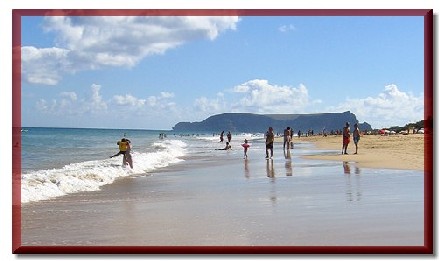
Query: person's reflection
[[288, 164], [346, 167], [246, 169], [357, 170], [287, 154], [269, 168], [353, 193], [271, 174]]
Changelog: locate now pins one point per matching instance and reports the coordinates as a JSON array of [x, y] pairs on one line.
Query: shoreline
[[404, 152]]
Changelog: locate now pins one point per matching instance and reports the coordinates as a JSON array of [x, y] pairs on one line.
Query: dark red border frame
[[428, 247]]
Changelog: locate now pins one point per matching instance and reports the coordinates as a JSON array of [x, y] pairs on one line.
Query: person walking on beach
[[221, 136], [291, 138], [356, 137], [287, 138], [345, 137], [270, 137], [229, 136], [245, 147]]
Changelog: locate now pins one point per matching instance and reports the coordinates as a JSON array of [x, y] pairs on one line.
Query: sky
[[152, 72]]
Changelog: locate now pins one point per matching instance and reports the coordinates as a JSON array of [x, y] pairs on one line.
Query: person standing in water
[[221, 136], [270, 137], [227, 147], [245, 146], [287, 138], [291, 138], [229, 136], [127, 157], [125, 150]]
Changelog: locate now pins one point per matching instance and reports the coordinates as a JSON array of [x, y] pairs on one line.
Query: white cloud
[[70, 104], [166, 95], [128, 100], [391, 107], [65, 105], [43, 66], [161, 102], [70, 95], [286, 28], [89, 43], [94, 103], [204, 106], [42, 105], [259, 96], [67, 102]]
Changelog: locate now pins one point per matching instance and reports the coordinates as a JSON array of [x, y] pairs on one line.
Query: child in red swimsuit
[[245, 146]]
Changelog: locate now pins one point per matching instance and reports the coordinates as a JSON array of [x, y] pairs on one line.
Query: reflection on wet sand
[[347, 168], [246, 169], [288, 164], [271, 174], [269, 168], [353, 192]]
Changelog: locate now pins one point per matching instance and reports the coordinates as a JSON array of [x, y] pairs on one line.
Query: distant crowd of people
[[288, 139], [125, 144]]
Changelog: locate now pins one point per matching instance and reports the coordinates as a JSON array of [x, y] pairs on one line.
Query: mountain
[[259, 123]]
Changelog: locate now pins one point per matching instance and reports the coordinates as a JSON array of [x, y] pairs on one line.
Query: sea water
[[59, 161]]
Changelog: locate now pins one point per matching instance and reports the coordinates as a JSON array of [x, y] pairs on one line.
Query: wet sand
[[230, 201]]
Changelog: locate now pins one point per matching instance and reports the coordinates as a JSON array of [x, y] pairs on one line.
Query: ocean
[[59, 161]]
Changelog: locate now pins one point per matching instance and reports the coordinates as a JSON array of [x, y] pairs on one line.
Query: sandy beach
[[374, 151], [292, 200]]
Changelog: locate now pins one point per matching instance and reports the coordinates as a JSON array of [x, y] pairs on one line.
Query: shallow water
[[59, 161]]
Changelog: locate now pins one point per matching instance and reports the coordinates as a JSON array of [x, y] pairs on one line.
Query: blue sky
[[152, 72]]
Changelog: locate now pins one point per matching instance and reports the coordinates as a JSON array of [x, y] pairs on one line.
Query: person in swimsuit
[[356, 136], [123, 143], [270, 137], [287, 138], [227, 147], [125, 150], [291, 138], [345, 137], [245, 146]]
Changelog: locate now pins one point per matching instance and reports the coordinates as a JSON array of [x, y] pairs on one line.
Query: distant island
[[258, 123]]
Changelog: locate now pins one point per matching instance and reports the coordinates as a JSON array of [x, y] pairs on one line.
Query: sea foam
[[91, 175]]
